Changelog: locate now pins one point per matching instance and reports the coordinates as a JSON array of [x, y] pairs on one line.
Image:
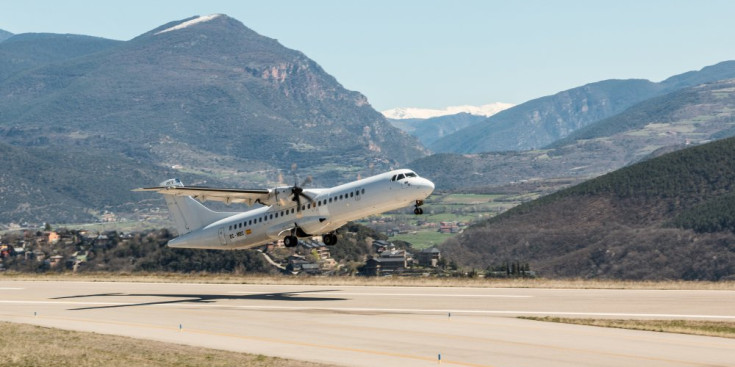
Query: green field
[[423, 239], [467, 199], [423, 230]]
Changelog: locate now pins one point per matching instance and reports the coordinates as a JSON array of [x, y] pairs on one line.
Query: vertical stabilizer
[[188, 214]]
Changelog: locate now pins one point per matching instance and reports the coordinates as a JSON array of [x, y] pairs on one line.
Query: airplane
[[287, 212]]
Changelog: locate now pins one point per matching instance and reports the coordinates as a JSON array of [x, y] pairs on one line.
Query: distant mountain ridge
[[402, 113], [690, 116], [30, 50], [5, 35], [540, 122], [702, 100], [211, 97], [430, 129]]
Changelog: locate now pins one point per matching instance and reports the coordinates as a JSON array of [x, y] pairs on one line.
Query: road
[[384, 326]]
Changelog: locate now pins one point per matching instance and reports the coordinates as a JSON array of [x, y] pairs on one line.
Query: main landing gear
[[417, 208], [290, 241], [330, 239]]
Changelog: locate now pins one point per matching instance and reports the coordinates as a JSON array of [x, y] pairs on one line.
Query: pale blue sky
[[434, 54]]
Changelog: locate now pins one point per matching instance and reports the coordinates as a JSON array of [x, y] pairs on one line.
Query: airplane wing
[[249, 197]]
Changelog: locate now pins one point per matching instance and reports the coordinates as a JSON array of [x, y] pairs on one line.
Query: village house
[[53, 238], [429, 257], [389, 262], [316, 246], [448, 227], [381, 246]]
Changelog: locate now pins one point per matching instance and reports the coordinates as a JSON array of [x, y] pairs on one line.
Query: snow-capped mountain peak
[[402, 113], [190, 23]]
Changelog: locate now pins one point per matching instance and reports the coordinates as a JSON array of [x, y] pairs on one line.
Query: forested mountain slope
[[665, 218]]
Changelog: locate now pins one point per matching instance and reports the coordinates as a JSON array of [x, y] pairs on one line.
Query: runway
[[385, 326]]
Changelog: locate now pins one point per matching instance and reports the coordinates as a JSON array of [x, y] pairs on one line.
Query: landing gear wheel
[[417, 208], [330, 239], [290, 241]]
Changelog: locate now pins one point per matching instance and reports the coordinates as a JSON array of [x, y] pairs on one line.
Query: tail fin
[[188, 214]]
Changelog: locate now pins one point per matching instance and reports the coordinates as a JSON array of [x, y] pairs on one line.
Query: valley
[[83, 120]]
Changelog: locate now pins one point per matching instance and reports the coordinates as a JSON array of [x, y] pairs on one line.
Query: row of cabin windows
[[265, 218]]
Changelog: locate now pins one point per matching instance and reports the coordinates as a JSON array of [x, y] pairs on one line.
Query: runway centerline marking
[[185, 303], [338, 293], [10, 288]]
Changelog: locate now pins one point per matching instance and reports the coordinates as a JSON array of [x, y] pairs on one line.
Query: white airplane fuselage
[[330, 209]]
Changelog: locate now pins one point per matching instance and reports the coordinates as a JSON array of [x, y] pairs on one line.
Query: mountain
[[430, 129], [31, 50], [205, 95], [5, 35], [540, 122], [690, 116], [402, 113], [665, 218], [74, 185]]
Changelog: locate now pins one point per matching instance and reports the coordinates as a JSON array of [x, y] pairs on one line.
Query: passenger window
[[363, 191], [352, 194], [357, 192], [271, 216], [230, 228], [340, 196]]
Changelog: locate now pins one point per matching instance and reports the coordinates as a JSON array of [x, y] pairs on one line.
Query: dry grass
[[28, 345], [370, 281], [724, 329]]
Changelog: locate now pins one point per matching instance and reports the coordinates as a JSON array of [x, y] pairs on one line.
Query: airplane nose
[[427, 187]]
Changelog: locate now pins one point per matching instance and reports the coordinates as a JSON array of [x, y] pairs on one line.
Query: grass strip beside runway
[[723, 329], [29, 345]]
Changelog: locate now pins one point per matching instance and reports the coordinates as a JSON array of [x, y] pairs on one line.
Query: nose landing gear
[[417, 208]]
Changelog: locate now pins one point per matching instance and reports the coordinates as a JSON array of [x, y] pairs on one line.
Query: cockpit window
[[401, 176], [410, 174], [393, 178]]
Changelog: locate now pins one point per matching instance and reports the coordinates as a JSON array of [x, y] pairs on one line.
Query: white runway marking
[[194, 304], [9, 289], [403, 294]]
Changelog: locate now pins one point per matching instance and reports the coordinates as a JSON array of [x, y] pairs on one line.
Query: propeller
[[297, 190]]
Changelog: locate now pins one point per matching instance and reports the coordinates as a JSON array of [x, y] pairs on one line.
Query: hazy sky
[[434, 54]]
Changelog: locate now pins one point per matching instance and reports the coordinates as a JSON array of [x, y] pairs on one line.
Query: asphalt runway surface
[[385, 326]]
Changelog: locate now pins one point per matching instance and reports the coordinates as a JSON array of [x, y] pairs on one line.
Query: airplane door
[[222, 238]]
